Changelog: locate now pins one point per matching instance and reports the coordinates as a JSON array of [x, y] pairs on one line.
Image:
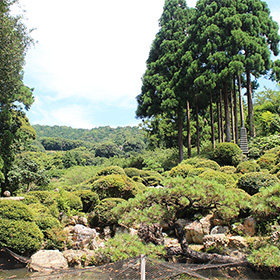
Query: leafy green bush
[[254, 153], [265, 256], [267, 161], [21, 237], [15, 210], [247, 166], [111, 170], [208, 164], [115, 185], [68, 202], [228, 169], [220, 177], [102, 214], [181, 170], [252, 182], [124, 246], [227, 154], [196, 171], [265, 205], [265, 143], [151, 178], [132, 172], [89, 199]]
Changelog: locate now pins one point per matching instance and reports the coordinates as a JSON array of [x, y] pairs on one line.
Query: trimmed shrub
[[111, 170], [132, 172], [44, 197], [68, 202], [219, 177], [254, 153], [247, 166], [21, 237], [89, 199], [102, 215], [196, 171], [228, 169], [268, 256], [267, 161], [227, 154], [252, 182], [151, 178], [265, 205], [124, 246], [181, 170], [115, 185], [193, 160], [15, 210], [208, 164]]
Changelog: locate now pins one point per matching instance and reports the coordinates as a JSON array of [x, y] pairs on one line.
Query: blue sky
[[87, 65]]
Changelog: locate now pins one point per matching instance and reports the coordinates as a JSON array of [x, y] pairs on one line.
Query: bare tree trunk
[[180, 139], [232, 117], [189, 130], [197, 130], [221, 116], [219, 120], [212, 122], [235, 112], [241, 102], [250, 105], [227, 115]]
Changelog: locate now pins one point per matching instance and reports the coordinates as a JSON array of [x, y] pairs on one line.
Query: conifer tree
[[162, 93]]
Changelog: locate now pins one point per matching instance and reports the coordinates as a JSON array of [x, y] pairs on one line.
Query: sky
[[89, 57]]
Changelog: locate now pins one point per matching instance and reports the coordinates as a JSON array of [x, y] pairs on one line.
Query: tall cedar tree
[[256, 39], [14, 42], [162, 93]]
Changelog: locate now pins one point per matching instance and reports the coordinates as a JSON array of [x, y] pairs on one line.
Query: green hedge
[[21, 237], [15, 210], [116, 185], [227, 154], [252, 182]]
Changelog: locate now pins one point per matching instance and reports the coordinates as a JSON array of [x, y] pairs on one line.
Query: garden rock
[[82, 236], [196, 230], [237, 242], [46, 260], [78, 258], [214, 241], [220, 230], [249, 226]]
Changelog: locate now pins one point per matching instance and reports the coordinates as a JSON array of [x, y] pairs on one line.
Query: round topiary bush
[[115, 185], [228, 169], [247, 166], [208, 163], [132, 172], [68, 201], [267, 161], [196, 171], [102, 215], [18, 230], [254, 153], [15, 210], [252, 182], [219, 177], [227, 154], [21, 237], [89, 199], [181, 170], [111, 170], [151, 178]]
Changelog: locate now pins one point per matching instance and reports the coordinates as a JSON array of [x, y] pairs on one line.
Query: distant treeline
[[63, 138]]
